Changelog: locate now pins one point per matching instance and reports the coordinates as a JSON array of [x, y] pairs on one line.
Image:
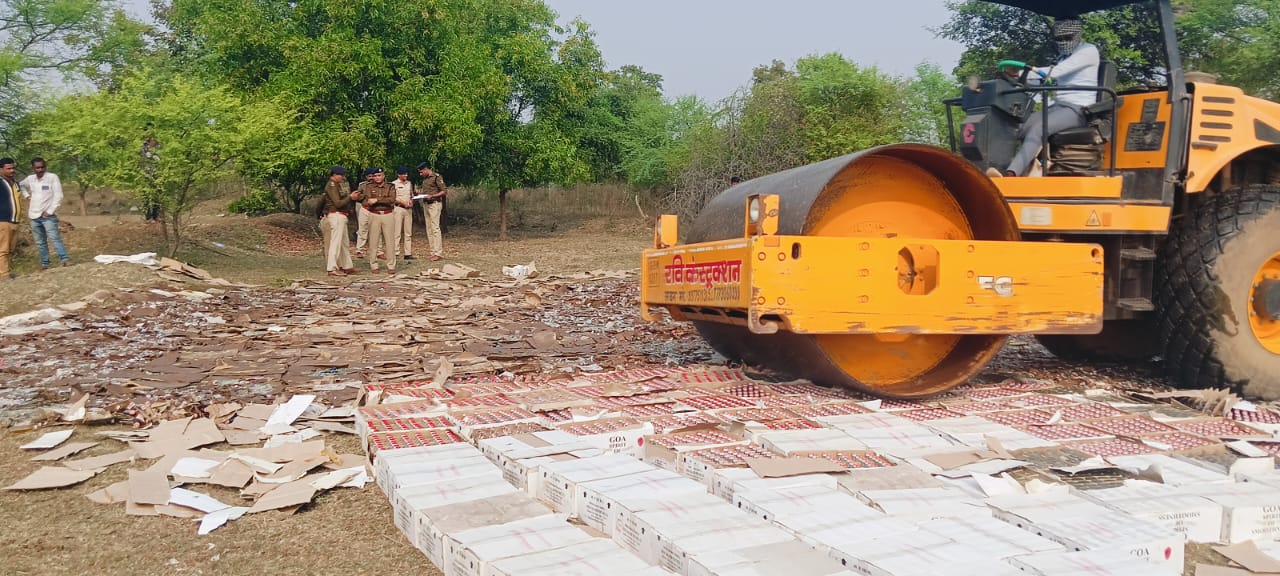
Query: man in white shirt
[[44, 192], [1077, 65]]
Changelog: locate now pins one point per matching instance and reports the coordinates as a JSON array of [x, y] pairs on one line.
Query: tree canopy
[[1238, 40], [499, 94]]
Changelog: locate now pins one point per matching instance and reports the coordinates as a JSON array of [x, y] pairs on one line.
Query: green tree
[[825, 106], [1239, 40], [43, 39], [655, 139], [202, 132], [847, 107], [926, 115], [601, 127], [489, 91], [1128, 36]]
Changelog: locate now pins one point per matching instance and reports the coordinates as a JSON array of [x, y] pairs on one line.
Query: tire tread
[[1186, 285]]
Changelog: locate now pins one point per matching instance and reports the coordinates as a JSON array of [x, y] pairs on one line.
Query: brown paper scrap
[[52, 477], [322, 426], [1248, 555], [178, 512], [232, 474], [101, 461], [64, 451], [294, 470], [242, 437], [784, 467], [1209, 570], [148, 487], [135, 509], [117, 493], [287, 495]]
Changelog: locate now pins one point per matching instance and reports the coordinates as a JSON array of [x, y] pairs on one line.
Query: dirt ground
[[345, 531], [280, 249]]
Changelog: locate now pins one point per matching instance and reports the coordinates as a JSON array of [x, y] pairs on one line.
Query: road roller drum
[[897, 271]]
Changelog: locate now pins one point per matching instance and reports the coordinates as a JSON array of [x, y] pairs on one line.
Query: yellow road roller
[[901, 271]]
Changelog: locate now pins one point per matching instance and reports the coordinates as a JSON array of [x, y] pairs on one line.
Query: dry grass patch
[[343, 532]]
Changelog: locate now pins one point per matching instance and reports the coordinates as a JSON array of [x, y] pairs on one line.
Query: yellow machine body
[[902, 270], [824, 285]]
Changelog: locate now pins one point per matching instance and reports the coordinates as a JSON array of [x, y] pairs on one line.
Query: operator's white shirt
[[1078, 69], [45, 194]]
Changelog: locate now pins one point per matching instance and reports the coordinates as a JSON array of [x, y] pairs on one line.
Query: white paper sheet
[[195, 500], [214, 520], [286, 413], [50, 440], [194, 468], [294, 438], [336, 478]]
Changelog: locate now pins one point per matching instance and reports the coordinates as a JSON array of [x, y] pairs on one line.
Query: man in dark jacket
[[10, 213]]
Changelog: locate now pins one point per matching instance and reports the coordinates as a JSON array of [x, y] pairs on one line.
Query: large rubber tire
[[1121, 341], [1203, 278]]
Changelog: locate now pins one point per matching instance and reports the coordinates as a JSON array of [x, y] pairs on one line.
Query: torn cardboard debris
[[1248, 555], [785, 467], [63, 452], [52, 477]]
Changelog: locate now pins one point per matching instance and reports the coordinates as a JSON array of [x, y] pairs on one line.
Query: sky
[[709, 47]]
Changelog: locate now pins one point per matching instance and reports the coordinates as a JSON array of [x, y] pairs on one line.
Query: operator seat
[[1079, 150]]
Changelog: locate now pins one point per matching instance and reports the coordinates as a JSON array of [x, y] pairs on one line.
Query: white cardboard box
[[600, 501], [724, 480], [598, 557], [999, 539], [1249, 517], [1196, 517], [924, 503], [788, 442], [429, 472], [559, 480], [532, 445], [973, 430], [674, 553], [473, 552], [1251, 509], [638, 531], [385, 460], [1086, 563], [526, 473], [813, 502], [628, 441], [405, 502], [828, 481], [828, 534], [433, 524], [1175, 472], [792, 558], [1105, 529], [875, 555], [862, 422], [903, 439]]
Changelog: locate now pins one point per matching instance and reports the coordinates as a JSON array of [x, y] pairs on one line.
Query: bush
[[256, 202]]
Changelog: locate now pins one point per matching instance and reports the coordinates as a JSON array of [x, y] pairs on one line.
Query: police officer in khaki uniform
[[404, 214], [362, 218], [335, 210], [433, 188], [379, 197]]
